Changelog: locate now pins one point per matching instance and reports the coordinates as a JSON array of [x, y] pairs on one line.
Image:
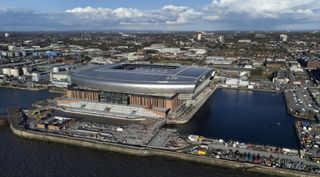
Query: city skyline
[[177, 15]]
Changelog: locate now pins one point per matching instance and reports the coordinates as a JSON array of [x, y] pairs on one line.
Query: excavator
[[40, 113]]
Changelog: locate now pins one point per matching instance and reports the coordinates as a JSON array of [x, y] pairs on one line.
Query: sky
[[164, 15]]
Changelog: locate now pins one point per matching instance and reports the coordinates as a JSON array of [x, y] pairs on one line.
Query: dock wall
[[143, 151]]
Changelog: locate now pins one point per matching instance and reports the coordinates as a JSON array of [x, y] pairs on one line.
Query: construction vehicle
[[39, 114]]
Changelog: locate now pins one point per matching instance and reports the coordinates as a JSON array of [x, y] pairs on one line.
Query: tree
[[257, 72]]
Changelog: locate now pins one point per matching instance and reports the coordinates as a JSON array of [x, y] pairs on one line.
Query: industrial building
[[55, 123], [152, 86], [216, 60], [313, 63], [283, 76]]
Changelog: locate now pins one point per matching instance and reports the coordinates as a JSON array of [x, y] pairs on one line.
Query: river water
[[29, 158], [21, 98], [245, 116]]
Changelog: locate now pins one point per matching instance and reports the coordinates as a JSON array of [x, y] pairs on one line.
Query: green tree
[[257, 72]]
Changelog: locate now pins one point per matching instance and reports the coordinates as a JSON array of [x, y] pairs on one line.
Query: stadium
[[152, 86], [143, 78]]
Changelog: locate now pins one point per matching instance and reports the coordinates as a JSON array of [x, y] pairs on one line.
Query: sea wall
[[142, 151], [188, 117], [247, 89], [78, 142], [24, 88]]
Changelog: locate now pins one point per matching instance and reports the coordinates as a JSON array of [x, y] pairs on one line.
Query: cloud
[[263, 14], [218, 15], [169, 14], [266, 9], [89, 18], [105, 13]]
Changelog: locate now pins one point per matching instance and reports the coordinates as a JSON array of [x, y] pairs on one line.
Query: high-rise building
[[221, 39], [199, 36], [6, 35], [283, 37]]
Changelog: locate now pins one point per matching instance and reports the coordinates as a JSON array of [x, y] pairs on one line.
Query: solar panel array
[[146, 68], [143, 73], [192, 72]]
